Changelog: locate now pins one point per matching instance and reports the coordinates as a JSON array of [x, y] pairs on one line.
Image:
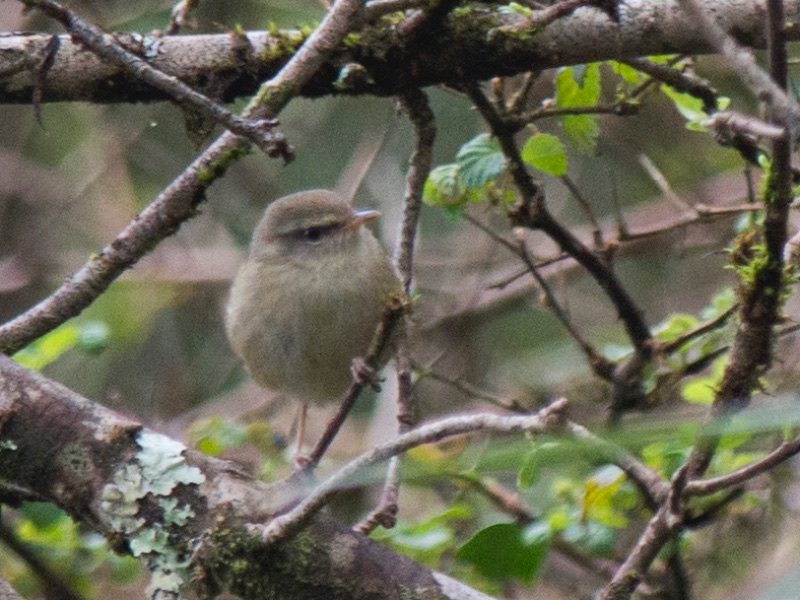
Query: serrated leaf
[[579, 86], [444, 186], [501, 552], [545, 152], [481, 160]]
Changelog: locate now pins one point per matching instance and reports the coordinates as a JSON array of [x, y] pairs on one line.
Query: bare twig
[[649, 483], [658, 178], [596, 360], [680, 81], [700, 212], [530, 212], [259, 131], [287, 525], [391, 318], [586, 207], [699, 330], [705, 487], [416, 105], [511, 405]]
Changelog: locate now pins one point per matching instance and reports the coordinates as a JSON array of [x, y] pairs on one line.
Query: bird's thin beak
[[362, 216]]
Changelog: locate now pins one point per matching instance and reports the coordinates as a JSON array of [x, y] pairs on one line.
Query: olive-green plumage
[[309, 296]]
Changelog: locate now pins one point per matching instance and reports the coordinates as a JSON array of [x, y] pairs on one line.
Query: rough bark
[[193, 518], [383, 58]]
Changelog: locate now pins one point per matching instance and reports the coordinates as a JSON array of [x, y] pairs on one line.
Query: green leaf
[[674, 325], [213, 435], [545, 152], [721, 302], [481, 160], [628, 73], [505, 551], [444, 186], [689, 106], [599, 495], [49, 347], [94, 337], [593, 536], [428, 540], [579, 86], [529, 472], [701, 389]]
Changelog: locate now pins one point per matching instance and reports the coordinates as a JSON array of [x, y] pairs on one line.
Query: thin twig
[[699, 330], [416, 105], [530, 212], [390, 319], [258, 131], [586, 207], [652, 487], [596, 360], [664, 186], [287, 525], [700, 212], [705, 487], [680, 81], [511, 405]]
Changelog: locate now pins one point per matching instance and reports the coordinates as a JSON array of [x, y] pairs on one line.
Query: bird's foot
[[364, 374]]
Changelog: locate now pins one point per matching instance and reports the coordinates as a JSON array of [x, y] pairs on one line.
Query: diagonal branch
[[286, 526], [258, 131]]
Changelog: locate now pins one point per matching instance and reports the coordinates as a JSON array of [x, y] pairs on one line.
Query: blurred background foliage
[[153, 346]]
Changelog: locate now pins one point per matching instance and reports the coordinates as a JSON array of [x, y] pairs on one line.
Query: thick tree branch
[[475, 45], [122, 480]]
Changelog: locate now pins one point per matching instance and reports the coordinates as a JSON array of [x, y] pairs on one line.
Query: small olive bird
[[309, 297]]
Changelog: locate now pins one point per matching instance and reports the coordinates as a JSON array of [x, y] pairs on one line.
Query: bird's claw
[[364, 374]]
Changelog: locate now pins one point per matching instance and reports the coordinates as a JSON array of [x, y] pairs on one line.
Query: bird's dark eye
[[312, 234]]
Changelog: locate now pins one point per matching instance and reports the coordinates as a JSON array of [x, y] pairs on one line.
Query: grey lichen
[[156, 470]]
